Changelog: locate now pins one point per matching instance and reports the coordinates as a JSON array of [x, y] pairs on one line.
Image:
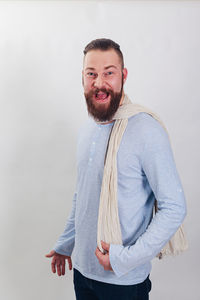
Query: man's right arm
[[65, 242]]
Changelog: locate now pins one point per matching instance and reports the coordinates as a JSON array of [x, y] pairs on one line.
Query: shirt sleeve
[[159, 168], [65, 243]]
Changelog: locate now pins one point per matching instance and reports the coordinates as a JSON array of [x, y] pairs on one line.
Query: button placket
[[93, 145]]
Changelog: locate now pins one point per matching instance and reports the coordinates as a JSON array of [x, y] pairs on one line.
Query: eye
[[91, 74], [108, 73]]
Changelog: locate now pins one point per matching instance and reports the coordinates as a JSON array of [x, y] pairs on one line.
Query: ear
[[125, 74], [82, 78]]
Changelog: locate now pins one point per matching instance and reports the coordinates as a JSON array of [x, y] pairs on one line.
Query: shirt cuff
[[114, 254], [60, 249]]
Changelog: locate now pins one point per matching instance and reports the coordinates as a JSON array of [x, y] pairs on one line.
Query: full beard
[[100, 111]]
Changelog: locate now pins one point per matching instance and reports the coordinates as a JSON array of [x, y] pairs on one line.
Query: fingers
[[53, 265], [63, 266], [69, 262], [105, 246], [58, 265], [103, 259], [98, 253], [58, 262]]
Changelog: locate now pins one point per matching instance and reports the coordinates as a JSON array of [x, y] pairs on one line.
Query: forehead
[[99, 59]]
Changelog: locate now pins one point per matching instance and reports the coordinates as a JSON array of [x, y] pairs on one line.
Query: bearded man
[[142, 170]]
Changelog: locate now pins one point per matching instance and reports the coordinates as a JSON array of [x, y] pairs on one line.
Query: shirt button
[[90, 159], [93, 143]]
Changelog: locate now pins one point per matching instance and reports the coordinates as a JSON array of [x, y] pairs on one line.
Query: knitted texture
[[108, 228]]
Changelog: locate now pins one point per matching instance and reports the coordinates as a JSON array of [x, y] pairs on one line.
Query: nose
[[99, 82]]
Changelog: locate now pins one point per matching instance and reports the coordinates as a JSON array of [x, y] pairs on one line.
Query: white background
[[42, 106]]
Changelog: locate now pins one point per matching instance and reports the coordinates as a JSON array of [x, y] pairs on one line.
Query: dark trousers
[[89, 289]]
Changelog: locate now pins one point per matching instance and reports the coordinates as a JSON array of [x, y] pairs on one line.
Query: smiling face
[[103, 80]]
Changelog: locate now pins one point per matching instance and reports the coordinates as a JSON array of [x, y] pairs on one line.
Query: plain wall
[[42, 107]]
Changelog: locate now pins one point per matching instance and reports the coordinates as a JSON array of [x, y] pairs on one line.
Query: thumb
[[105, 246], [50, 254]]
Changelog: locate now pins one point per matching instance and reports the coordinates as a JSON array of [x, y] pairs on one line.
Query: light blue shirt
[[146, 170]]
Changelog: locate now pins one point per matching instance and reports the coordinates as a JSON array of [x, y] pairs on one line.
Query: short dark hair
[[103, 45]]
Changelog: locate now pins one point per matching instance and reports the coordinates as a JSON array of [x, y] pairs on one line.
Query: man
[[145, 171]]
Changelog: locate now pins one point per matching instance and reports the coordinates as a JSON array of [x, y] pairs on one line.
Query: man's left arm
[[160, 169]]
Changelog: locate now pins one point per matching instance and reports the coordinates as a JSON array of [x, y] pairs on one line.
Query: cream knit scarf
[[108, 219]]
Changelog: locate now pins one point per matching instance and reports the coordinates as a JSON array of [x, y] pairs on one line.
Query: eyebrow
[[110, 66], [90, 68]]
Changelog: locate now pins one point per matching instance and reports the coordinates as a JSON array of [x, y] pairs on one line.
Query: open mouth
[[102, 97]]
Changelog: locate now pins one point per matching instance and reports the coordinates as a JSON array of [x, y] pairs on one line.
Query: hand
[[58, 261], [104, 259]]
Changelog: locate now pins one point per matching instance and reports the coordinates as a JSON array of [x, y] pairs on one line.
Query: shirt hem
[[111, 281]]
